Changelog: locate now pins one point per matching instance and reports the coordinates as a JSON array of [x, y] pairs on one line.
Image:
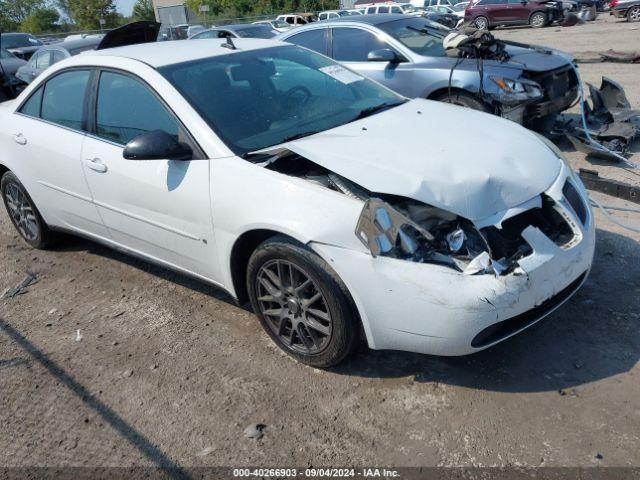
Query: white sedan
[[335, 206]]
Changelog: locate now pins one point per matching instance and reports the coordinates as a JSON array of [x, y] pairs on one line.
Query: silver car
[[407, 55]]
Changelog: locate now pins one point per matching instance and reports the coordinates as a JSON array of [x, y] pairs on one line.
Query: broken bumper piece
[[433, 309], [611, 123]]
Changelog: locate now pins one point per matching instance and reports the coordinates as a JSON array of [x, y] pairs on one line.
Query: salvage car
[[408, 56], [49, 55], [334, 205], [486, 14], [9, 83], [629, 9], [22, 45]]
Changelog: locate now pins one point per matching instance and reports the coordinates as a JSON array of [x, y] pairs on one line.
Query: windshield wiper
[[367, 112], [298, 136]]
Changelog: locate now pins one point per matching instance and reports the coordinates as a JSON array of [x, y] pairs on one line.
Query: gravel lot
[[169, 371]]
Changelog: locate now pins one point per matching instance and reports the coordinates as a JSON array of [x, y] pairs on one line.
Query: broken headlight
[[420, 233], [516, 91]]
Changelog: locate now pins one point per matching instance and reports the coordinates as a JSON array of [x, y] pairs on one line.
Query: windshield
[[417, 34], [257, 31], [260, 98], [19, 41]]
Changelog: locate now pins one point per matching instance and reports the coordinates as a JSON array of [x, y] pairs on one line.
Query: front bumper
[[435, 310]]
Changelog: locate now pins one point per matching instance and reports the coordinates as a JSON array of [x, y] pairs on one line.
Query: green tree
[[40, 20], [143, 10], [14, 12], [86, 14]]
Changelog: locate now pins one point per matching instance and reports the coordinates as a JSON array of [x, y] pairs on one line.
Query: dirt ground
[[107, 361]]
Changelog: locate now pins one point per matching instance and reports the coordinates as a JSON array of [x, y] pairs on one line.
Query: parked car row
[[337, 207], [407, 55]]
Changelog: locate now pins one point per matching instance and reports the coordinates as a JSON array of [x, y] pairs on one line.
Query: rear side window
[[371, 10], [126, 108], [44, 60], [63, 99], [32, 106], [383, 9], [58, 56], [396, 10], [313, 40]]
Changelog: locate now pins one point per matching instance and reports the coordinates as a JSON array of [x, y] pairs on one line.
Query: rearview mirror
[[157, 145], [383, 55]]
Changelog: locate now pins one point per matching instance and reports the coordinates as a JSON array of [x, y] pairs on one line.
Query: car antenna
[[229, 44]]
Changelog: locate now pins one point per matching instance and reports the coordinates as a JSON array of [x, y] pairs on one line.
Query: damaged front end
[[405, 229], [533, 96]]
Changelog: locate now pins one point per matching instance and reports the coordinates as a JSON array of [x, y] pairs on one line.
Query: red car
[[488, 14]]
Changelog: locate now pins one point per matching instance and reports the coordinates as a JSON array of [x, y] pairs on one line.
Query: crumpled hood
[[467, 162], [533, 61]]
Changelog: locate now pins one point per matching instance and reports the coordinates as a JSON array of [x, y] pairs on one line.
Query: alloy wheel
[[21, 212], [537, 20], [294, 307], [634, 15]]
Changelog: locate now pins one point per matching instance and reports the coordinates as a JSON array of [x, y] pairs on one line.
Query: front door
[[351, 46], [159, 208]]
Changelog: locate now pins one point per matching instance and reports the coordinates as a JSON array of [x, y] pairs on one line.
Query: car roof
[[73, 44], [160, 54], [372, 19], [236, 26]]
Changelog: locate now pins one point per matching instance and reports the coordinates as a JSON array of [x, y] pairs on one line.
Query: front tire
[[538, 20], [23, 213], [633, 15], [301, 303]]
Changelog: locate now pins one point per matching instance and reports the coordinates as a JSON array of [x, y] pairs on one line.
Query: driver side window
[[354, 45]]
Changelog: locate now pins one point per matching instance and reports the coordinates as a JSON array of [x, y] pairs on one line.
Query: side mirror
[[157, 145], [383, 55]]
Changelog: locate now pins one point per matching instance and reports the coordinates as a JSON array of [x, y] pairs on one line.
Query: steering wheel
[[299, 90]]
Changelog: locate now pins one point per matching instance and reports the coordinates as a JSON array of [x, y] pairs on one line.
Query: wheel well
[[445, 91], [3, 170], [245, 245], [537, 11]]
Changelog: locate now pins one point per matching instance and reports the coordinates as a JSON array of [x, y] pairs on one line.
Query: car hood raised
[[467, 162]]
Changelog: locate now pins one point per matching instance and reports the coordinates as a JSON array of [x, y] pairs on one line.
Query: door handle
[[96, 165], [20, 139]]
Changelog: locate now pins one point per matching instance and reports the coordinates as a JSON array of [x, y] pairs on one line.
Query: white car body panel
[[189, 215], [474, 183]]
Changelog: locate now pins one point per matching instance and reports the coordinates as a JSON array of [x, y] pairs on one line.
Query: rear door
[[48, 133], [159, 208], [498, 10], [351, 46]]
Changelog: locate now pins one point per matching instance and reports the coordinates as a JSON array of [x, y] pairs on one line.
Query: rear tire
[[481, 23], [301, 302], [463, 99], [633, 15], [538, 20], [23, 213]]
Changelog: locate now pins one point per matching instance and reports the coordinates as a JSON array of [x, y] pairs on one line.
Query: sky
[[125, 6]]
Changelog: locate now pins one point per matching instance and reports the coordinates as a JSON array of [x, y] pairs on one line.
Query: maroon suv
[[488, 14]]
